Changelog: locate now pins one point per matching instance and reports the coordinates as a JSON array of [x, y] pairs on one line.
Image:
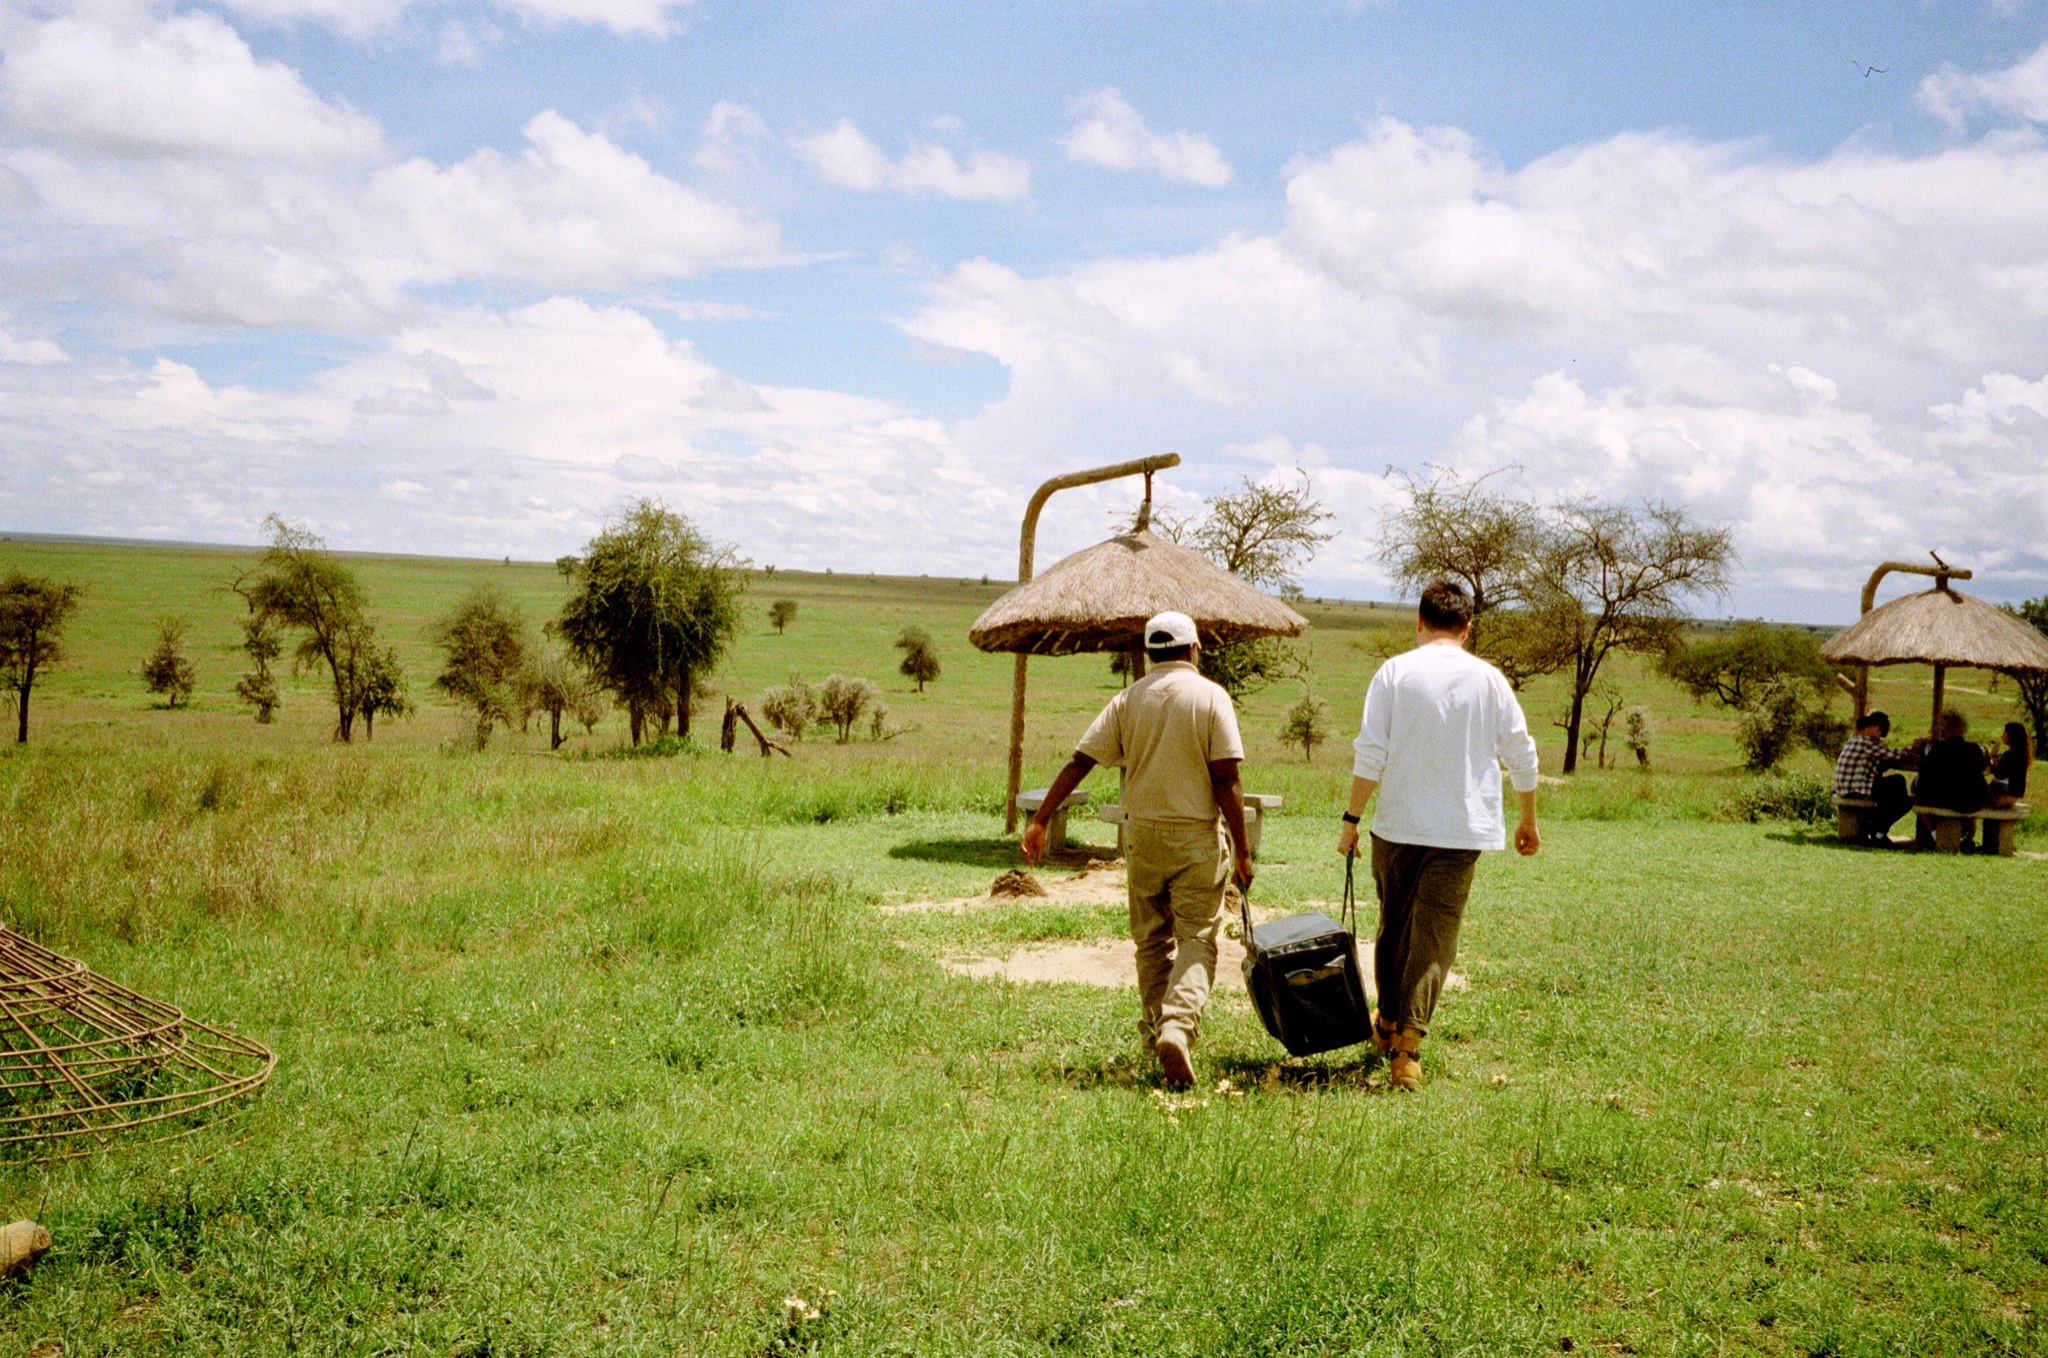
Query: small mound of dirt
[[1017, 882]]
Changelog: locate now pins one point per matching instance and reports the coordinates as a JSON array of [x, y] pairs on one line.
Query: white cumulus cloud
[[183, 84], [571, 210], [362, 18], [1778, 343], [462, 44], [844, 156], [488, 432], [184, 175], [731, 132], [1110, 133], [2019, 91], [1812, 487], [36, 351]]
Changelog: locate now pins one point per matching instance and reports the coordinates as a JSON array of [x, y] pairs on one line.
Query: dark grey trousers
[[1422, 893]]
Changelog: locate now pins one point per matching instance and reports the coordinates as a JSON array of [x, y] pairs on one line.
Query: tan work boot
[[1173, 1061], [1404, 1066], [1382, 1035]]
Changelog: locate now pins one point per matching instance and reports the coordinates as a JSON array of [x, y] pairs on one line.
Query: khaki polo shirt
[[1163, 731]]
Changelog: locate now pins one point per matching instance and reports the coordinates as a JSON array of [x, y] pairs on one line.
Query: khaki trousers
[[1177, 871], [1422, 893]]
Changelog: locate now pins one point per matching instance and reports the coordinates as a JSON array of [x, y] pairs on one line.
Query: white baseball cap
[[1164, 631]]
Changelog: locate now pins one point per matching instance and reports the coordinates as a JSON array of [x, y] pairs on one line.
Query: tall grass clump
[[1791, 796], [750, 792], [1629, 795], [744, 945], [147, 844]]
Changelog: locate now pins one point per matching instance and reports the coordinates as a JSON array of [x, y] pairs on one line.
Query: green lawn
[[596, 1055]]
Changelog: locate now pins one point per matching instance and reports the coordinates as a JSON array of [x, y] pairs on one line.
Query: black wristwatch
[[1350, 819]]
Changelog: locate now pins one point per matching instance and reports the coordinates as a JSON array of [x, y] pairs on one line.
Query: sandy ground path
[[1110, 963]]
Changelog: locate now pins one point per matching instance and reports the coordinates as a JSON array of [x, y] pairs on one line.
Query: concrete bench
[[1849, 817], [1056, 828], [1256, 805], [1999, 822]]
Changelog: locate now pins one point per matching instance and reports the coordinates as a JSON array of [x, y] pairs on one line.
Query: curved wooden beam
[[1027, 546], [1942, 573]]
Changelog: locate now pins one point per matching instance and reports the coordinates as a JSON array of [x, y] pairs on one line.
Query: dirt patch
[[1111, 965], [1015, 883], [1100, 883]]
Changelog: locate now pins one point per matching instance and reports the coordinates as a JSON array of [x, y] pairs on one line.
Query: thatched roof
[[1098, 599], [1940, 627]]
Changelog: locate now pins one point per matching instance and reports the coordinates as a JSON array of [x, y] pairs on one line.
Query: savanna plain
[[588, 1052]]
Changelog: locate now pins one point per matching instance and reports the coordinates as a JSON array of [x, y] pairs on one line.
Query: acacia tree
[[791, 708], [555, 684], [1263, 534], [298, 584], [841, 701], [380, 690], [655, 606], [1609, 578], [2033, 684], [920, 656], [483, 648], [1307, 725], [167, 669], [1734, 668], [33, 611], [258, 687], [1454, 529], [1773, 676], [782, 612]]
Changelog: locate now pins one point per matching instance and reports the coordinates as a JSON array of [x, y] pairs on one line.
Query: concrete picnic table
[[1999, 823], [1056, 828], [1256, 805], [1948, 826]]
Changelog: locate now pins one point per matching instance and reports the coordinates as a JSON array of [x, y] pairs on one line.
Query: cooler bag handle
[[1349, 917]]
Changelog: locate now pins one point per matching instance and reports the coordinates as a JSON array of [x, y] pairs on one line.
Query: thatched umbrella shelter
[[1098, 600], [1937, 627]]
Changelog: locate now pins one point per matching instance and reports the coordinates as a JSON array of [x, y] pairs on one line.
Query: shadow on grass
[[1351, 1069], [1828, 839], [993, 853], [980, 853]]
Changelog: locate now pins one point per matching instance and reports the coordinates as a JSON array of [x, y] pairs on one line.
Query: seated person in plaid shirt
[[1861, 773]]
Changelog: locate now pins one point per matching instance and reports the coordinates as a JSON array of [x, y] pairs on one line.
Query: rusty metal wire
[[83, 1060]]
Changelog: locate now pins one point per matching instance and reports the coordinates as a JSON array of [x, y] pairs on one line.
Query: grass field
[[583, 1054]]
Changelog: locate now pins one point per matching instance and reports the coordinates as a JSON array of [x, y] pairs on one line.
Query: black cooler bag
[[1304, 979]]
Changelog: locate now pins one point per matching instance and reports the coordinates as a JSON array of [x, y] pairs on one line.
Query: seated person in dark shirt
[[2009, 771], [1865, 771], [1952, 772]]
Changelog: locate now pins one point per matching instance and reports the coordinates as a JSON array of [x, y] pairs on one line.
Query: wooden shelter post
[[1026, 546], [1942, 573]]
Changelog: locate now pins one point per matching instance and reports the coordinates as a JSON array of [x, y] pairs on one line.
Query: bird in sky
[[1868, 71]]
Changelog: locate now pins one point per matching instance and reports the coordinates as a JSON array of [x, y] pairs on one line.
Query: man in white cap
[[1174, 733]]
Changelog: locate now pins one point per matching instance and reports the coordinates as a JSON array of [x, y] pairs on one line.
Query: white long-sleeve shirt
[[1440, 723]]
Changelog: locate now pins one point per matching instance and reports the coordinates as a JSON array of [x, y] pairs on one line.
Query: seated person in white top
[[1440, 723]]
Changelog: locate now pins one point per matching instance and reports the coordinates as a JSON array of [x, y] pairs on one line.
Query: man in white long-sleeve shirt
[[1440, 724]]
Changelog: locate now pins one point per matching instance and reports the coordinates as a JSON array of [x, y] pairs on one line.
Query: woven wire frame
[[83, 1059]]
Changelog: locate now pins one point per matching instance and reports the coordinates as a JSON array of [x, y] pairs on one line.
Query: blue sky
[[844, 281]]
